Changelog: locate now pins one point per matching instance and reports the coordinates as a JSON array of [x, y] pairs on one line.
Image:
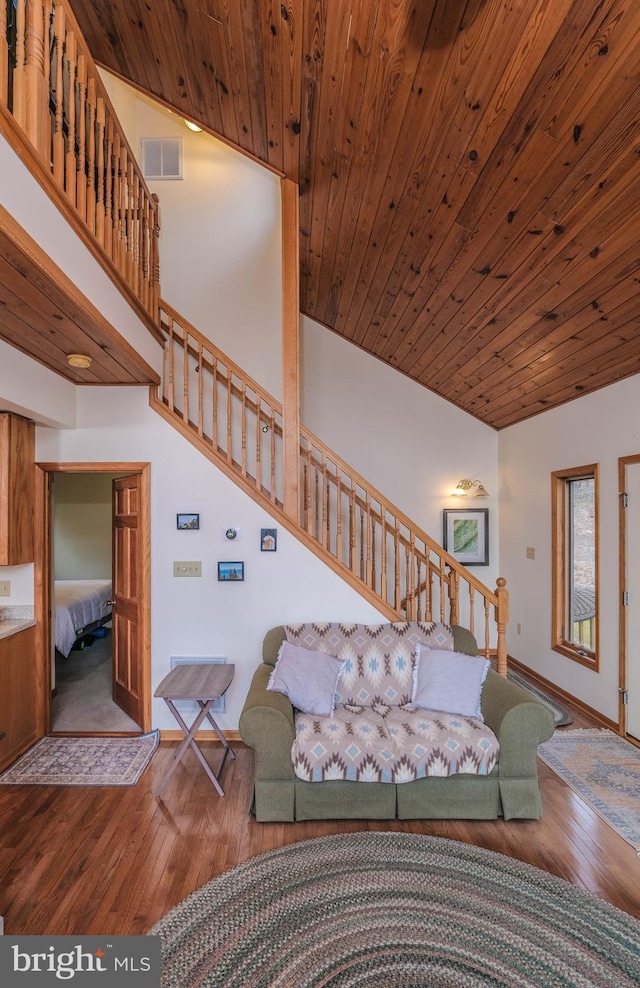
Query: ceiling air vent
[[162, 157]]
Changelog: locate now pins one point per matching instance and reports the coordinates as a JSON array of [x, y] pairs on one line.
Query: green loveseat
[[510, 790]]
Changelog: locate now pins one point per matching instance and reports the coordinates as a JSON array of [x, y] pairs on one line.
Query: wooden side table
[[204, 682]]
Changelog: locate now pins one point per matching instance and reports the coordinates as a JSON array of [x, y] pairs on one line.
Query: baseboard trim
[[174, 735], [562, 695]]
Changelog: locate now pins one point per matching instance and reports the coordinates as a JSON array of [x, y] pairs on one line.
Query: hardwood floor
[[114, 860]]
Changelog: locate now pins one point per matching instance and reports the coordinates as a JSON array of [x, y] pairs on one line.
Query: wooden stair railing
[[345, 520], [51, 89]]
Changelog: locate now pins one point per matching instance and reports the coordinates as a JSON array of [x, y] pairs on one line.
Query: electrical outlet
[[519, 628], [186, 567], [531, 552], [5, 588]]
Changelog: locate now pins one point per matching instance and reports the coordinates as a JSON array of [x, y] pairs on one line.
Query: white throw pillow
[[307, 677], [448, 681]]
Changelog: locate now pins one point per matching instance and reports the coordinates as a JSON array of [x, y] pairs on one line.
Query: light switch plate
[[5, 588], [187, 567]]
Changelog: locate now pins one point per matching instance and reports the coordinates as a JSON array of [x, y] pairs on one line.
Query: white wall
[[29, 204], [200, 616], [409, 443], [596, 428], [220, 238]]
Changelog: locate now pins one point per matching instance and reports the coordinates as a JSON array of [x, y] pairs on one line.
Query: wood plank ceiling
[[469, 171]]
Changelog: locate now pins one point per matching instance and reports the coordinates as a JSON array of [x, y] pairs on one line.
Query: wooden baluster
[[229, 413], [454, 587], [58, 135], [146, 254], [274, 491], [155, 257], [19, 81], [170, 395], [308, 497], [214, 404], [339, 551], [200, 372], [47, 28], [243, 429], [91, 155], [185, 375], [412, 586], [115, 193], [70, 155], [137, 231], [374, 556], [472, 610], [130, 262], [383, 555], [81, 181], [121, 259], [363, 573], [502, 619], [100, 169], [323, 519], [419, 595], [352, 527], [367, 534], [4, 55], [442, 594], [108, 188], [396, 567]]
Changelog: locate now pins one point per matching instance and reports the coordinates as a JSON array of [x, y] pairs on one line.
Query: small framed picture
[[231, 572], [188, 522], [466, 535], [268, 539]]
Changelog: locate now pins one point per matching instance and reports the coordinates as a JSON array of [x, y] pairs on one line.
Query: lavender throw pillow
[[308, 678], [448, 681]]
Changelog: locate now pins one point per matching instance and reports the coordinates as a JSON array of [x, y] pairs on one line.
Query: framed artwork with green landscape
[[466, 535]]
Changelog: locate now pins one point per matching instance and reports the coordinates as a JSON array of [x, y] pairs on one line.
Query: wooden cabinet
[[17, 695], [17, 489]]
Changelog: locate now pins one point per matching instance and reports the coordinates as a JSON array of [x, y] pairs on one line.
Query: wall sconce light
[[464, 486], [80, 360], [193, 126]]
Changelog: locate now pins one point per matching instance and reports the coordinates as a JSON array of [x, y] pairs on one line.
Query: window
[[162, 157], [575, 563]]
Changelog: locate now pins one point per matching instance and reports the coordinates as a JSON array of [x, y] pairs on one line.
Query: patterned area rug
[[561, 715], [83, 762], [394, 910], [604, 770]]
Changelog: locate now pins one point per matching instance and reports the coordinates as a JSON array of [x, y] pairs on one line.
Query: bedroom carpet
[[396, 911], [83, 762], [604, 770], [83, 701]]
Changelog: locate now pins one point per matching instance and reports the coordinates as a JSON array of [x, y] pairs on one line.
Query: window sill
[[584, 657]]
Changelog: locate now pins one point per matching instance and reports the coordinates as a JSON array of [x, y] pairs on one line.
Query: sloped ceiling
[[469, 171]]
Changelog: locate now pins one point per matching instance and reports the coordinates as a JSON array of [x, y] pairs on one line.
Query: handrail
[[240, 424], [50, 86]]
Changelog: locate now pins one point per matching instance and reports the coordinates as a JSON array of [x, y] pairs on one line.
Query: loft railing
[[346, 520], [49, 84]]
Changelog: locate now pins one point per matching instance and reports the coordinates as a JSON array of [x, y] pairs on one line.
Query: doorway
[[629, 487], [102, 686]]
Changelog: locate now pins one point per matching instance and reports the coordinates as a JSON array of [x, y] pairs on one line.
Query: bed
[[81, 606]]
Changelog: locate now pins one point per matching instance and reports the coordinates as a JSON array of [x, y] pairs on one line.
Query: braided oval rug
[[394, 911]]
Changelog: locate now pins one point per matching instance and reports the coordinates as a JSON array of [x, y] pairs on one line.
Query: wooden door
[[128, 685], [631, 595]]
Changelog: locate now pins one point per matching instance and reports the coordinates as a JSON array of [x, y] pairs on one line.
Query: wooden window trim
[[559, 643]]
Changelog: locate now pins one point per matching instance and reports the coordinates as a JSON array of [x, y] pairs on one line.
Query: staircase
[[350, 525]]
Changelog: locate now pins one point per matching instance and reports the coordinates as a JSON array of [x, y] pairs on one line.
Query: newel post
[[502, 619], [36, 123]]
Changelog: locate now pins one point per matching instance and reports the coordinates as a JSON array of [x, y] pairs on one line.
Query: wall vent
[[190, 706], [162, 157]]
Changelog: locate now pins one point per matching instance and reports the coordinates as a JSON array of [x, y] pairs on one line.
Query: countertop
[[14, 619]]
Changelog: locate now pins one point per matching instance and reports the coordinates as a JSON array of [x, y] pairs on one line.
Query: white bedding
[[78, 603]]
